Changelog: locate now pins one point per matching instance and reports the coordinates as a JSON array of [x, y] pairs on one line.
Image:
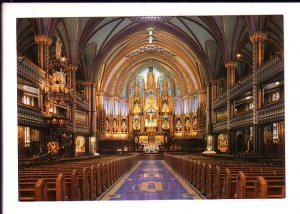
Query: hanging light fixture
[[150, 37]]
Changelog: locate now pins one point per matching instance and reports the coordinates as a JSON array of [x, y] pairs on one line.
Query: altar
[[151, 112]]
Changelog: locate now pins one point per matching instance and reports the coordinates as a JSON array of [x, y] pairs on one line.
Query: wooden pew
[[86, 175], [82, 175], [246, 183], [72, 191], [91, 176], [33, 191], [229, 188], [269, 187], [56, 186]]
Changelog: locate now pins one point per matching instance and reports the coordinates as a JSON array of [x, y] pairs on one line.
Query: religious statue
[[136, 108], [151, 120], [178, 125], [165, 124], [115, 126], [58, 81], [136, 124], [222, 143], [53, 147], [195, 123], [187, 124], [58, 47], [106, 125], [124, 126]]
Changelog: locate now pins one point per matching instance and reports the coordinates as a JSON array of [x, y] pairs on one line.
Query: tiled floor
[[151, 180]]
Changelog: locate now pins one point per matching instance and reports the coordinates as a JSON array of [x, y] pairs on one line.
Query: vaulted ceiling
[[192, 50]]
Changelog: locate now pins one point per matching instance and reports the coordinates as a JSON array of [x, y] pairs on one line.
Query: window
[[275, 132], [275, 96], [250, 105], [27, 100], [251, 133], [53, 109], [27, 136]]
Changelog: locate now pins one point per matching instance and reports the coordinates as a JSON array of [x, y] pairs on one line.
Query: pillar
[[231, 67], [257, 40], [72, 73], [43, 42], [209, 138]]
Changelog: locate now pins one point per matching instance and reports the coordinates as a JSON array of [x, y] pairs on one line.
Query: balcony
[[30, 116], [242, 87], [270, 68], [220, 100], [30, 71], [242, 119], [82, 128], [271, 112], [220, 126], [82, 103]]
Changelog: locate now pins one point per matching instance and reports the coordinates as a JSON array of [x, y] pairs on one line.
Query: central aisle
[[151, 180]]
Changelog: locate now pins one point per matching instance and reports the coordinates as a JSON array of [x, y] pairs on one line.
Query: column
[[209, 108], [72, 71], [202, 117], [257, 40], [214, 96], [209, 138], [99, 105], [160, 121], [43, 42], [230, 66], [93, 108]]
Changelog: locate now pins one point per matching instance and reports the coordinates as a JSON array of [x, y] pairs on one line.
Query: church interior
[[150, 108]]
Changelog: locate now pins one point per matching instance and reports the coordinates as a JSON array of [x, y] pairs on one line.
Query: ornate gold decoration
[[43, 40], [150, 18], [230, 65], [258, 37], [150, 49]]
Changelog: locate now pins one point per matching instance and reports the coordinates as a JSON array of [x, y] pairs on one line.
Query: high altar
[[150, 113]]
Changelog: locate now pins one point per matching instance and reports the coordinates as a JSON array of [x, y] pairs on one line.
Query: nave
[[162, 177], [203, 95], [151, 180]]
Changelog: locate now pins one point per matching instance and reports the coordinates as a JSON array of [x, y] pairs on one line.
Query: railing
[[242, 87], [82, 103], [220, 125], [271, 111], [245, 118], [31, 71], [82, 128], [220, 100], [270, 68], [29, 116]]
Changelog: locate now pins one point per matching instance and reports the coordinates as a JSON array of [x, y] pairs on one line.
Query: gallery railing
[[220, 126], [219, 101], [241, 87], [242, 119], [271, 112], [29, 116], [270, 68], [30, 71], [82, 103]]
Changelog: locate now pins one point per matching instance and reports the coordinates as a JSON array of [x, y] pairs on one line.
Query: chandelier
[[150, 48]]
